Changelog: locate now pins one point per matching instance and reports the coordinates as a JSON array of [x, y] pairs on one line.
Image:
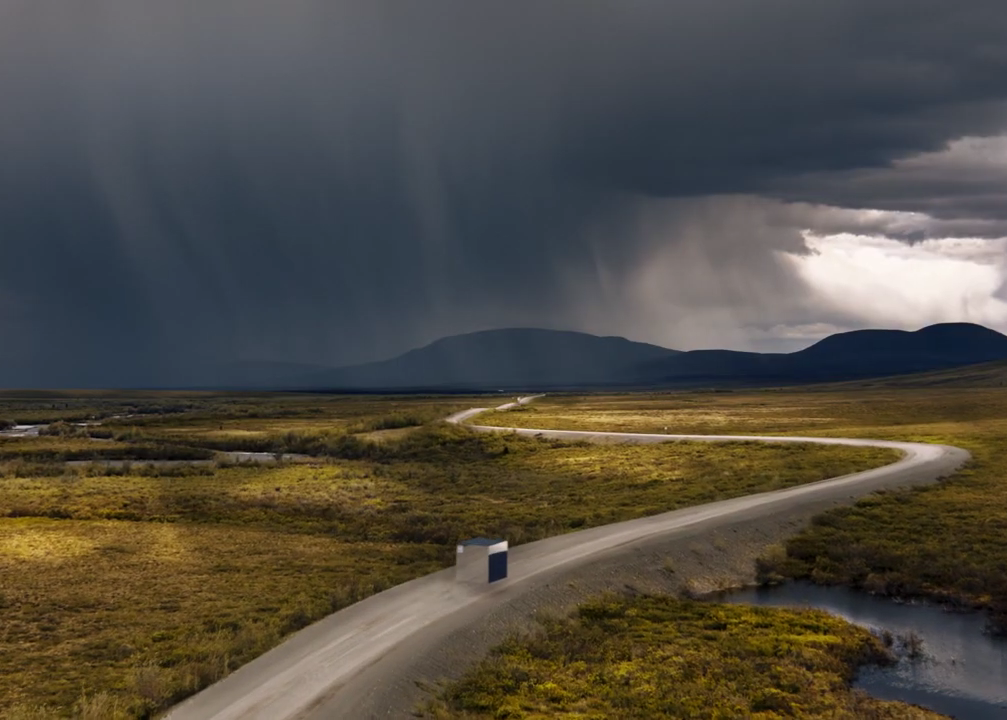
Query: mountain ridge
[[541, 359], [509, 357]]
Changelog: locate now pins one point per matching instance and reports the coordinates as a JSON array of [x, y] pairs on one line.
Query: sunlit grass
[[95, 604], [661, 657], [535, 488], [139, 590], [339, 430], [204, 409], [48, 449], [947, 542], [56, 448]]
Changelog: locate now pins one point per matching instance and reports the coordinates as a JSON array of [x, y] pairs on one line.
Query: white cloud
[[887, 283], [739, 272]]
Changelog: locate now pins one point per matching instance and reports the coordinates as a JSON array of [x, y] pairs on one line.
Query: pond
[[21, 431], [962, 671]]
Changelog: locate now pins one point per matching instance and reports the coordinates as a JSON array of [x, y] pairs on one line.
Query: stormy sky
[[195, 182]]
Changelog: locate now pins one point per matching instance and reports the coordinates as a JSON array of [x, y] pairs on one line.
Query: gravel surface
[[381, 657]]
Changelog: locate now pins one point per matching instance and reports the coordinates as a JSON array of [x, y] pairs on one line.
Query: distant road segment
[[332, 669]]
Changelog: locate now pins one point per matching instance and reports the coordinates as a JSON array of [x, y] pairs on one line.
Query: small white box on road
[[481, 561]]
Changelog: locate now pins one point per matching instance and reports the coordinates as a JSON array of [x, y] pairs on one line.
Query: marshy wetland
[[127, 588], [943, 545], [945, 660], [946, 542]]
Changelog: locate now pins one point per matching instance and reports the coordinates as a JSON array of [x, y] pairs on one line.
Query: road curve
[[332, 669]]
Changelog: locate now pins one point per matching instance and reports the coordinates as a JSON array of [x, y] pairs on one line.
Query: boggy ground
[[654, 656], [946, 542], [121, 594], [174, 409], [183, 426]]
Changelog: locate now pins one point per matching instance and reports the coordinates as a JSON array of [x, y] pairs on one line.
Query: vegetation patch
[[147, 613], [663, 657], [189, 409], [59, 449], [440, 485], [946, 542], [125, 590]]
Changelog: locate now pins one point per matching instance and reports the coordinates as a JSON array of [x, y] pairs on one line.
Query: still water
[[22, 431], [963, 672]]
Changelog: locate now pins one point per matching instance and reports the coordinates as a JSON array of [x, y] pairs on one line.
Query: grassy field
[[146, 613], [349, 414], [946, 542], [122, 593], [662, 657], [256, 412], [310, 425], [14, 452], [443, 483], [193, 426]]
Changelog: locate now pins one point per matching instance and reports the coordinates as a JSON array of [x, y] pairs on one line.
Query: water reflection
[[21, 431], [963, 672]]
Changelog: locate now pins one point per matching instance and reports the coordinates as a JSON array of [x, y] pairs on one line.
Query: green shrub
[[659, 657]]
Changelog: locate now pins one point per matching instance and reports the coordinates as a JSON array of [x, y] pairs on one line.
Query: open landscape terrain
[[277, 280], [947, 542], [665, 657], [126, 589]]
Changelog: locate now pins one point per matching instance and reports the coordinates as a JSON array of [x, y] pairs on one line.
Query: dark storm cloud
[[192, 181], [958, 191]]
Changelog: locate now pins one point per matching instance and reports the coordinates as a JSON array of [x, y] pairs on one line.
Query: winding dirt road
[[346, 665]]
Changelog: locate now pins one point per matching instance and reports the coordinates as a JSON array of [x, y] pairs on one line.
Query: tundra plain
[[946, 542], [127, 588]]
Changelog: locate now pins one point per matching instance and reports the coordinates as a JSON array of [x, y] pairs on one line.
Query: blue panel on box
[[498, 566]]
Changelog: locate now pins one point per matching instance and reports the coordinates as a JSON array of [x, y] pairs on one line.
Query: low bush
[[175, 567], [63, 429], [661, 657], [946, 542]]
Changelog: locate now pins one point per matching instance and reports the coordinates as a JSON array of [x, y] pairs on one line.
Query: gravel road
[[373, 659]]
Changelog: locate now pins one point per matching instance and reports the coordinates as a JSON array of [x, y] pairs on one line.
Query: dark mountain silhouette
[[890, 352], [520, 357], [547, 359], [535, 359], [844, 356]]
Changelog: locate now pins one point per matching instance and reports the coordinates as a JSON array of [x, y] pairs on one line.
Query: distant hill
[[936, 346], [844, 356], [536, 359], [509, 358], [548, 359]]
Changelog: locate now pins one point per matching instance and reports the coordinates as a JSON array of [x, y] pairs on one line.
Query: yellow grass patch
[[92, 605], [661, 657], [137, 590], [947, 542]]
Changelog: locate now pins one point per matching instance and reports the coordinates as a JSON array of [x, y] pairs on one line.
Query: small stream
[[19, 431], [963, 672], [239, 457]]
